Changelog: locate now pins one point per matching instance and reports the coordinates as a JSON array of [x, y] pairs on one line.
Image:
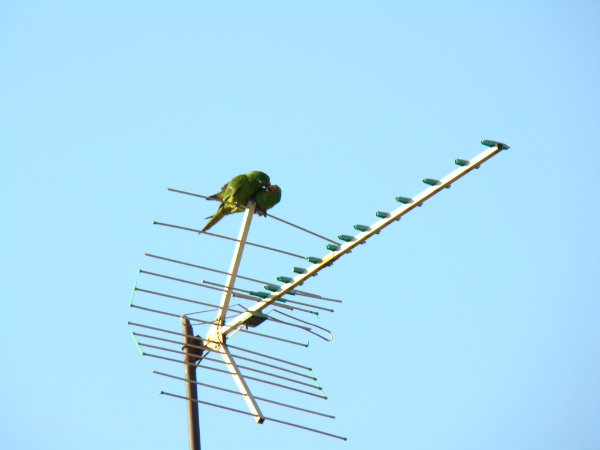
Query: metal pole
[[191, 388]]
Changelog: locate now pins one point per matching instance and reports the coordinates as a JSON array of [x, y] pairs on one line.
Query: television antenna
[[246, 366]]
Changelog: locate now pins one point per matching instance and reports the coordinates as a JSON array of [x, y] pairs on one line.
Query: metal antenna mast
[[244, 365]]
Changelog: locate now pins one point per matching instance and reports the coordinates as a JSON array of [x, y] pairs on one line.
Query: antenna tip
[[492, 143]]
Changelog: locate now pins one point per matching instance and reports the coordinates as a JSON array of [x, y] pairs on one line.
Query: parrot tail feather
[[218, 216]]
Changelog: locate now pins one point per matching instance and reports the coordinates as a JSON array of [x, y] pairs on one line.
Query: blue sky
[[471, 323]]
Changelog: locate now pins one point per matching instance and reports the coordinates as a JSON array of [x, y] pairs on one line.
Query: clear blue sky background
[[472, 323]]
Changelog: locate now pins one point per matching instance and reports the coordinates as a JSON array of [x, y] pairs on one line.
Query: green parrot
[[267, 198], [239, 190]]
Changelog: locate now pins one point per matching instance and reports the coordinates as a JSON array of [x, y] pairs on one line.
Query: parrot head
[[261, 177]]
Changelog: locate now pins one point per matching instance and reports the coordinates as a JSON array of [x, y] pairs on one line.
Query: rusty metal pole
[[191, 388]]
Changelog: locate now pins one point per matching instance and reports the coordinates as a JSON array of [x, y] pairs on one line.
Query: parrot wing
[[233, 182], [233, 192]]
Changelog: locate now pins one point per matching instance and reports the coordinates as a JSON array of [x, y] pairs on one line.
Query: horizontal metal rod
[[282, 322], [291, 308], [203, 311], [242, 349], [307, 329], [178, 298], [208, 197], [206, 286], [195, 230], [276, 338], [203, 347], [304, 321], [245, 330], [287, 300], [204, 322], [244, 206], [278, 304], [301, 228], [303, 293], [296, 302], [186, 345], [269, 357], [281, 377], [266, 418], [231, 391], [214, 369], [170, 314], [263, 372], [318, 297]]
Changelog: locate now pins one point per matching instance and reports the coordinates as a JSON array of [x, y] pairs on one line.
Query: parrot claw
[[260, 212]]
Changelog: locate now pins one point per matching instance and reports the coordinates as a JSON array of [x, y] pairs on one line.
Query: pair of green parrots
[[235, 194]]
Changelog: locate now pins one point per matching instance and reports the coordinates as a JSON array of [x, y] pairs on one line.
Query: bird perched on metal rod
[[236, 193]]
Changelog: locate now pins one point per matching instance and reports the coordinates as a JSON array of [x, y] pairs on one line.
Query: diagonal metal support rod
[[241, 384], [214, 332]]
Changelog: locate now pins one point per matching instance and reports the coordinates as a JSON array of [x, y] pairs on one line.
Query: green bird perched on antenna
[[235, 194], [266, 198]]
